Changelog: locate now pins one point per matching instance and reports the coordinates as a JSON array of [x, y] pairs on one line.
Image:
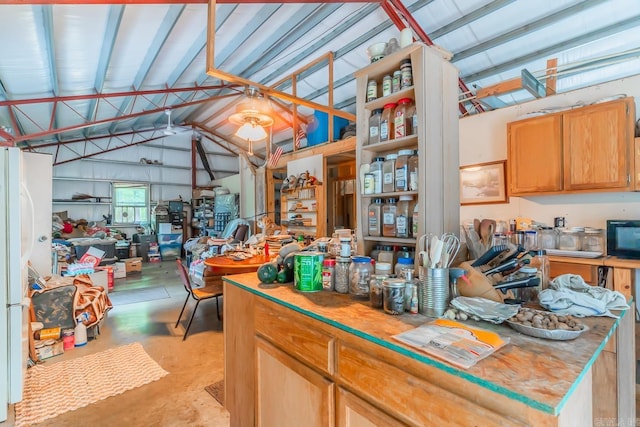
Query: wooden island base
[[323, 359]]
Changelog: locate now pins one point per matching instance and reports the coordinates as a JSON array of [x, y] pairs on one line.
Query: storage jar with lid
[[375, 290], [402, 170], [375, 251], [360, 273], [386, 122], [401, 119], [389, 218], [383, 268], [328, 274], [593, 240], [389, 173], [412, 171], [374, 217], [386, 256], [372, 90], [404, 213], [402, 266], [374, 126], [396, 81], [376, 170], [393, 296], [407, 74], [571, 239], [345, 247], [547, 238], [386, 85], [341, 272]]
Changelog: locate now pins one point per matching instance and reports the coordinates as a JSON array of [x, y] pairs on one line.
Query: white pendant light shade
[[251, 132]]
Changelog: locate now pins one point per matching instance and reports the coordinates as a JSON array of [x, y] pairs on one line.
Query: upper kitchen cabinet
[[576, 151]]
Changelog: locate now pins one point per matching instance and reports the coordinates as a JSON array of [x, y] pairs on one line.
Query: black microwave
[[623, 238]]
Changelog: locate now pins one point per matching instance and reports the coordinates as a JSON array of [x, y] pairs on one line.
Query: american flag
[[275, 156], [300, 135]]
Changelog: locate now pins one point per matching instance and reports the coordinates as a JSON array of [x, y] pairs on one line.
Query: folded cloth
[[569, 294]]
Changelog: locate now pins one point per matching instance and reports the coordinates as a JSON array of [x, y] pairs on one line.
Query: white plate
[[576, 254]]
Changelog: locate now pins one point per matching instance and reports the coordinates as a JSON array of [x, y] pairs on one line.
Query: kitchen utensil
[[487, 227], [473, 243], [503, 256], [527, 282], [435, 251], [451, 246], [509, 265], [488, 255]]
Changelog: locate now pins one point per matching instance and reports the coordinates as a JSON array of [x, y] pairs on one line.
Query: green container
[[307, 271]]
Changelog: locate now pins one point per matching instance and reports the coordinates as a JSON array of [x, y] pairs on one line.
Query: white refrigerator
[[25, 235]]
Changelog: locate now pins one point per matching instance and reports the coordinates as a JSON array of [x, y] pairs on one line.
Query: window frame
[[115, 205]]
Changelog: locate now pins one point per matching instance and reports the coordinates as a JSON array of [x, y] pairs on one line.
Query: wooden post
[[552, 73]]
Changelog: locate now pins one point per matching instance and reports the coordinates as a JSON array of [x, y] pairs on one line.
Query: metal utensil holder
[[433, 292]]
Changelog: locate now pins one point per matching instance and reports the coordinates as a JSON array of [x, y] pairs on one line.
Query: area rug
[[52, 389], [133, 296], [217, 391]]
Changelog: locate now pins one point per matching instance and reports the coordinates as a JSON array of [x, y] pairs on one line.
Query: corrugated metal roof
[[105, 73]]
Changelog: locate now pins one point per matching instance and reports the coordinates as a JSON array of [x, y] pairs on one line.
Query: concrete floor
[[178, 399]]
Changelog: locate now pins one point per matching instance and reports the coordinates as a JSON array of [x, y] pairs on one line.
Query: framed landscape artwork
[[483, 183]]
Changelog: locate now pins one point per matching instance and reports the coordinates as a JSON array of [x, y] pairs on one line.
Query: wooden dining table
[[224, 265]]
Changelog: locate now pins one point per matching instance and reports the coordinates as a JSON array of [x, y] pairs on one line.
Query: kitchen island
[[325, 359]]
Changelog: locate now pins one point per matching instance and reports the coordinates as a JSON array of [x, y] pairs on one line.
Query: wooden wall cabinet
[[575, 151]]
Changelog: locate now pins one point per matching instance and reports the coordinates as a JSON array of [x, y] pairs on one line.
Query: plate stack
[[433, 292]]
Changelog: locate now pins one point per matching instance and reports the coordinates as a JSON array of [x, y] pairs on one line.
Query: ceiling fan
[[252, 115], [170, 129]]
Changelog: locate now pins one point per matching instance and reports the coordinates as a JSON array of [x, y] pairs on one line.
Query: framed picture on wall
[[483, 183]]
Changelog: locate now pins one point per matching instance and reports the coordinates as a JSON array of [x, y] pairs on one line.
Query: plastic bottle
[[404, 213], [386, 122], [389, 218], [403, 266], [389, 173], [402, 170], [376, 170], [415, 221], [80, 331], [412, 171], [374, 217], [402, 121], [374, 126]]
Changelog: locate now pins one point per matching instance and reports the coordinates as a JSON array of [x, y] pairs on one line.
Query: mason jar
[[360, 272]]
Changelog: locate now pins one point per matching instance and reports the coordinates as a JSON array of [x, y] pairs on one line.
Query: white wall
[[483, 138]]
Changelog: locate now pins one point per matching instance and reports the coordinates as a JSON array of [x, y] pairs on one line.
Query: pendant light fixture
[[252, 117]]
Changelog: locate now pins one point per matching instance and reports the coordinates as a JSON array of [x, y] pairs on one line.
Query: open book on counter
[[453, 342]]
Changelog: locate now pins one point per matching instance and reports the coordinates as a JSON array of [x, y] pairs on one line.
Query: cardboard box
[[50, 350], [133, 264], [119, 270]]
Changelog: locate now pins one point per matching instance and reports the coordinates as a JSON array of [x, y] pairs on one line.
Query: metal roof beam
[[526, 29], [553, 50], [467, 18]]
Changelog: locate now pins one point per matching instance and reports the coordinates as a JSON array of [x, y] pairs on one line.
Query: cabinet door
[[598, 147], [351, 411], [535, 155], [288, 393]]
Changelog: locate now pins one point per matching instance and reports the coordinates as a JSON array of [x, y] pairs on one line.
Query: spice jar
[[389, 218], [406, 74], [375, 290], [404, 213], [374, 126], [376, 170], [412, 171], [372, 90], [328, 273], [393, 296], [374, 218], [396, 81], [386, 122], [402, 120], [341, 273], [345, 247], [360, 273], [402, 170], [593, 240], [415, 221], [386, 85], [389, 173]]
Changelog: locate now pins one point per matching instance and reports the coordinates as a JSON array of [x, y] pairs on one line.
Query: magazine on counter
[[453, 342]]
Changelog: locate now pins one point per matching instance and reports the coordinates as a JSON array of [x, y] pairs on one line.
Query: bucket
[[318, 129], [433, 292], [307, 271]]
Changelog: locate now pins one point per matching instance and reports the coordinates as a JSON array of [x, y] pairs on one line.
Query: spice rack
[[435, 94]]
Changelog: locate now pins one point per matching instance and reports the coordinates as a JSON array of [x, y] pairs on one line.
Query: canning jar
[[375, 290], [547, 238], [402, 266], [360, 273], [593, 240], [328, 274], [386, 122], [571, 239], [341, 273], [402, 170], [389, 173], [404, 213], [389, 218], [393, 296], [376, 170], [374, 217], [401, 119], [374, 126]]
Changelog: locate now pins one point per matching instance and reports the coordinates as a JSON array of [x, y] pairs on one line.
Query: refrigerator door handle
[[24, 259]]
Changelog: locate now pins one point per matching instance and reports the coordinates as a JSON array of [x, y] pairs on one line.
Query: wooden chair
[[198, 294]]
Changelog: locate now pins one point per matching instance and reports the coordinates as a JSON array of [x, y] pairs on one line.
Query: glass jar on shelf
[[402, 170], [360, 273], [593, 240], [401, 119], [389, 218], [374, 217], [571, 239], [374, 126], [376, 170], [386, 122], [375, 290], [389, 173], [547, 238], [404, 214]]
